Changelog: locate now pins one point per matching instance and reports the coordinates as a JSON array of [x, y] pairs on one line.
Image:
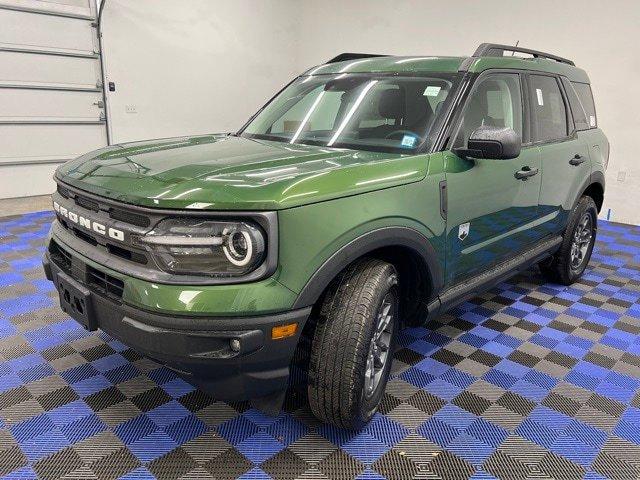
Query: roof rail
[[497, 50], [353, 56]]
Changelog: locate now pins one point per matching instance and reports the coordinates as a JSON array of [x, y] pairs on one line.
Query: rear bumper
[[198, 348]]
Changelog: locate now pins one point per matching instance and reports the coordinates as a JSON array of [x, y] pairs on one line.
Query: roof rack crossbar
[[353, 56], [497, 50]]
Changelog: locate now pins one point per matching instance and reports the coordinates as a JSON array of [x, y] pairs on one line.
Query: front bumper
[[198, 348]]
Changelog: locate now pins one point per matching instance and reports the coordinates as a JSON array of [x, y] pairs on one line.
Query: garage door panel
[[40, 180], [34, 69], [80, 8], [46, 104], [50, 91], [24, 28], [30, 143]]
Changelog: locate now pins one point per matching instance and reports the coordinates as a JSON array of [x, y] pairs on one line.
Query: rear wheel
[[353, 344], [570, 261]]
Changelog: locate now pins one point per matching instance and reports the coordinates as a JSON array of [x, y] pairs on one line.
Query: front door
[[490, 211]]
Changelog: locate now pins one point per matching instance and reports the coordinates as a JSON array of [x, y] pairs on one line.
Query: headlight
[[205, 247]]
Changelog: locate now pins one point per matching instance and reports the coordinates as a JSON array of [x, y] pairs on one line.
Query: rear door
[[50, 90], [564, 153]]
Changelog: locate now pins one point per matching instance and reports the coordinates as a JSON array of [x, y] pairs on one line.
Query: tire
[[565, 267], [343, 340]]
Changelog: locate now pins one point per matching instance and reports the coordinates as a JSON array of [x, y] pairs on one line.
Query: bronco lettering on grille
[[89, 224]]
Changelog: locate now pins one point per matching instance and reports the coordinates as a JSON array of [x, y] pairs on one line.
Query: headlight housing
[[212, 248]]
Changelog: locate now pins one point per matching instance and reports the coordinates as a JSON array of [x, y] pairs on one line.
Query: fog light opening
[[234, 344]]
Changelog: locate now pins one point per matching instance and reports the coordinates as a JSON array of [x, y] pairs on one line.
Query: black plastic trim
[[373, 240], [452, 113], [470, 287], [443, 199], [466, 64], [497, 50], [526, 110], [343, 57], [596, 177]]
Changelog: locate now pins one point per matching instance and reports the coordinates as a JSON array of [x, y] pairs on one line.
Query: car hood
[[221, 172]]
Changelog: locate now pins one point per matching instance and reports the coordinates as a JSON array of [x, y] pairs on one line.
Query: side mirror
[[497, 143]]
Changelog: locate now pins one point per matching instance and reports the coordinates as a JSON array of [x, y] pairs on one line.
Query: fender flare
[[366, 243], [595, 177]]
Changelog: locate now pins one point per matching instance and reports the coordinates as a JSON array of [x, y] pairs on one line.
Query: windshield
[[357, 111]]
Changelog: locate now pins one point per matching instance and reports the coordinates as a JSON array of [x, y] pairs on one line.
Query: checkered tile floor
[[527, 380]]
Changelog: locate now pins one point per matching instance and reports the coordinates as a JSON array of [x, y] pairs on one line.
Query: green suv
[[372, 192]]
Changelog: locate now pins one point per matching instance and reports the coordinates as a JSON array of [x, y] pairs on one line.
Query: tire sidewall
[[369, 406], [586, 206]]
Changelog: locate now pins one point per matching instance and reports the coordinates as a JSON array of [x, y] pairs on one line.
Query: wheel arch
[[407, 249], [594, 188]]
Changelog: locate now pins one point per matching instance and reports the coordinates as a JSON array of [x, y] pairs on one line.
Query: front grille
[[115, 213], [129, 217], [113, 249], [97, 281], [104, 283], [87, 203], [63, 191], [84, 232]]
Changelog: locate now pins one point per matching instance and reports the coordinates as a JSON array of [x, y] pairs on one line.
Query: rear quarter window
[[577, 110], [583, 90]]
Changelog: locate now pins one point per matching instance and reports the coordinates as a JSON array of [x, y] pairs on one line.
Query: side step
[[471, 287]]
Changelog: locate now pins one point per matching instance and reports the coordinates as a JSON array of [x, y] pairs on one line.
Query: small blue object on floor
[[527, 380]]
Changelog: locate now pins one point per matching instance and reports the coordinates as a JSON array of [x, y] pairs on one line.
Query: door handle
[[577, 160], [525, 173]]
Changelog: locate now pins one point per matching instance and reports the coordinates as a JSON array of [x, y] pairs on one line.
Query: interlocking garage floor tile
[[528, 380]]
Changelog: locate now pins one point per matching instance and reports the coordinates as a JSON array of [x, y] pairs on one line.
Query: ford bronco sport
[[372, 192]]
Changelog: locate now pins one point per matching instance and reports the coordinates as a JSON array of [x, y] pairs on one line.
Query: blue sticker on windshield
[[408, 141]]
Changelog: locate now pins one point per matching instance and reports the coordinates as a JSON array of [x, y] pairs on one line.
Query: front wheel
[[353, 344], [570, 261]]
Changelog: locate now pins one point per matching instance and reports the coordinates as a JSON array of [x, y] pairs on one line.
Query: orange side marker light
[[284, 331]]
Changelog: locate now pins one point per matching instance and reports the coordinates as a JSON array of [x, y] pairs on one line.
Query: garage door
[[51, 106]]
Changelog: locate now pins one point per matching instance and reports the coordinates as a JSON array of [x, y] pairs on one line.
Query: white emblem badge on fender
[[463, 231]]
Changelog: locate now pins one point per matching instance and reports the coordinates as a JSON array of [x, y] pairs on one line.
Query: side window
[[586, 98], [549, 114], [495, 101], [579, 115]]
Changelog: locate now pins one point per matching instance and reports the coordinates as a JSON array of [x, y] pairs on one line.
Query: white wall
[[194, 67], [203, 66], [601, 37]]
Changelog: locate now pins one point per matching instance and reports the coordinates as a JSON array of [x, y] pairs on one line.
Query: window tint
[[586, 97], [495, 101], [579, 115], [549, 115]]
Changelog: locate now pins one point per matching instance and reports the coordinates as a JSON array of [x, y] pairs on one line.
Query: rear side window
[[586, 98], [579, 115], [548, 111]]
